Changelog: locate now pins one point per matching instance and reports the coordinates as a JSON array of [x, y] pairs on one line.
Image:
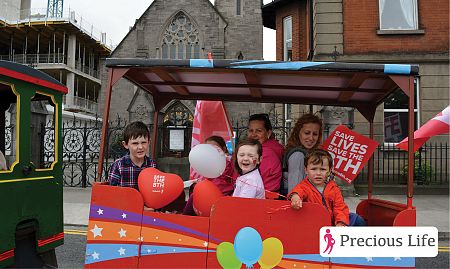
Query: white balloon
[[206, 160]]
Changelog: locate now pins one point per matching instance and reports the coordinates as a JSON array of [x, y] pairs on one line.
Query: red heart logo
[[205, 195], [159, 189]]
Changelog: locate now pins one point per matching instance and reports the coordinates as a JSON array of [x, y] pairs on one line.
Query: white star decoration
[[121, 251], [149, 250], [122, 233], [96, 255], [205, 244], [397, 259], [124, 216], [369, 259], [100, 211], [97, 231], [141, 239]]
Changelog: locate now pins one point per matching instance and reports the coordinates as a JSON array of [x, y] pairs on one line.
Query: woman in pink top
[[260, 128]]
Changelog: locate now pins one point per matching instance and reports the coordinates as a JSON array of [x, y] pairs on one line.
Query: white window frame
[[405, 110], [415, 16], [287, 20]]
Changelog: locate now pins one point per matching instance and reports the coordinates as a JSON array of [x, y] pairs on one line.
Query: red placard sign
[[350, 152]]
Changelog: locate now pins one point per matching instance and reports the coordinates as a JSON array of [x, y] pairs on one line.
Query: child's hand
[[296, 201], [148, 209]]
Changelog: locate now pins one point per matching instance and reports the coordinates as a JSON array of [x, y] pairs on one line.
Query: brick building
[[394, 31]]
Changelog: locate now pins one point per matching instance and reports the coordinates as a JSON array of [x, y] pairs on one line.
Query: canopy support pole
[[105, 126], [113, 76], [410, 142], [154, 133], [370, 179]]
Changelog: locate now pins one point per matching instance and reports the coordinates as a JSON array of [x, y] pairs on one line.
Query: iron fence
[[431, 165], [81, 145]]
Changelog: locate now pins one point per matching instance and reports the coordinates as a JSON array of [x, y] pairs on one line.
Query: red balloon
[[159, 189], [205, 195]]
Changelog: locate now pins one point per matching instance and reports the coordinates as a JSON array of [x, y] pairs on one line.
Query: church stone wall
[[244, 31], [149, 28]]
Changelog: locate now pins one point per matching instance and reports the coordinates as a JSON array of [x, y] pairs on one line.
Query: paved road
[[71, 254]]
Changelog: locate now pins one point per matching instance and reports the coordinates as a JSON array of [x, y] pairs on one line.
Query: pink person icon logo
[[328, 237]]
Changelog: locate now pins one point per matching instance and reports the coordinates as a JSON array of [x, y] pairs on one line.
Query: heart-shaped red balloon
[[205, 195], [159, 189]]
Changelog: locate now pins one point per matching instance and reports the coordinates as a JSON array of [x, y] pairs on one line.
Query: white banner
[[379, 241]]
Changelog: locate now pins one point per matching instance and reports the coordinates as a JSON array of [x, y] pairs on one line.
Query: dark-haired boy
[[318, 188], [124, 172]]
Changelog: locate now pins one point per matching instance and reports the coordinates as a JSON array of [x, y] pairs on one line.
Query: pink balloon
[[205, 195]]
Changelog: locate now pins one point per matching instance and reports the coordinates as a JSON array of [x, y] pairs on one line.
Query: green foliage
[[117, 148], [425, 169]]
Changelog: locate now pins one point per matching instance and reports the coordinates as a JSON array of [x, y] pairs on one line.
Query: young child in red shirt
[[318, 188]]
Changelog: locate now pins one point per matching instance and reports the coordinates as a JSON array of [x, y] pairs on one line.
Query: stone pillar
[[333, 117], [25, 9], [71, 54], [328, 30]]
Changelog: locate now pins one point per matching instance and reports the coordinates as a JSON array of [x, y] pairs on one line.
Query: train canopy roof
[[360, 85], [30, 75]]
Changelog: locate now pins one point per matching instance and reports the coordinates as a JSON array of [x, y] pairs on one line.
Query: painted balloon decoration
[[272, 253], [226, 256], [207, 160], [248, 246]]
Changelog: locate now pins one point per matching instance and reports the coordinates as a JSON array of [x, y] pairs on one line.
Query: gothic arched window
[[178, 115], [180, 39]]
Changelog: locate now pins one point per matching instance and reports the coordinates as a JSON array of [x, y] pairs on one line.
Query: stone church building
[[183, 29]]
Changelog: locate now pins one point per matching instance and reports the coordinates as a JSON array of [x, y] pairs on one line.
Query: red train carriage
[[122, 235]]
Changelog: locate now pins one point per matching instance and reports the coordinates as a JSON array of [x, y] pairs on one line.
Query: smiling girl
[[248, 157]]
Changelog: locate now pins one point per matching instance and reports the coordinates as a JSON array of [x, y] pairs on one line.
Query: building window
[[396, 115], [238, 7], [180, 39], [398, 14], [287, 39]]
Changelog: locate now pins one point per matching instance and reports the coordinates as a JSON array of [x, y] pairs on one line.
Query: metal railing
[[87, 70], [81, 145], [48, 58], [79, 104], [431, 165], [33, 59]]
